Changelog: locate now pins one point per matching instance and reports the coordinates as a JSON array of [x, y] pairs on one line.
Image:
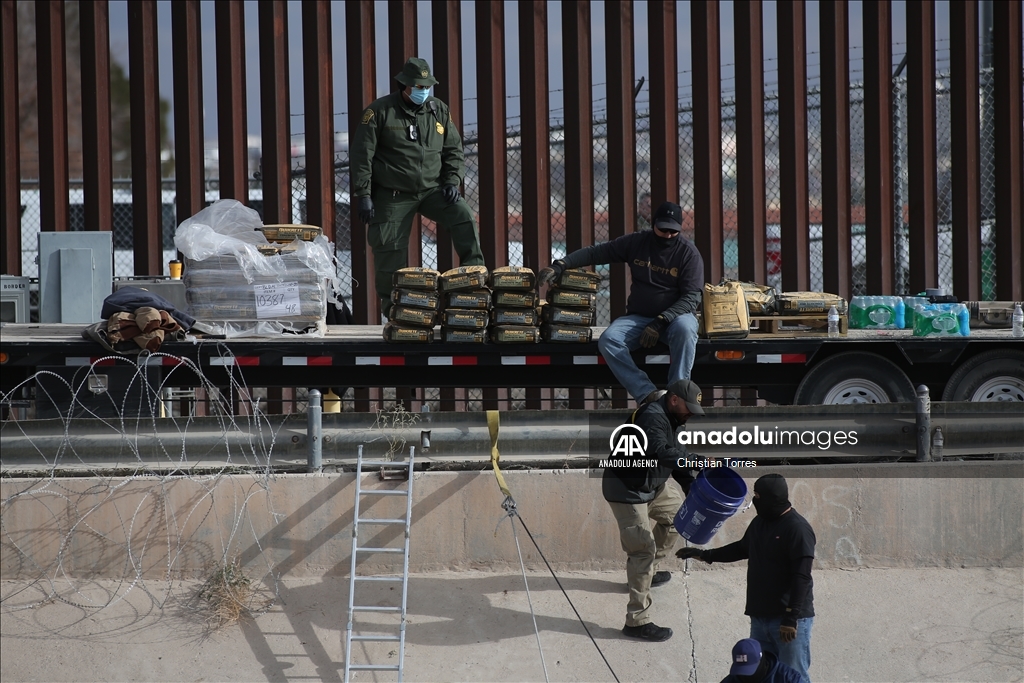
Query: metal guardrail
[[557, 438]]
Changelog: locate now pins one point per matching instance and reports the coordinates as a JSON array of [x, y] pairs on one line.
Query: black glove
[[450, 194], [550, 274], [365, 209], [651, 333], [688, 553], [684, 479]]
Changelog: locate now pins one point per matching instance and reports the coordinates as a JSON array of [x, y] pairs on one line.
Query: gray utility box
[[14, 299], [75, 272]]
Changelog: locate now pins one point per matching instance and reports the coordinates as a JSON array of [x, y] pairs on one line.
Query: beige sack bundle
[[725, 311], [464, 277]]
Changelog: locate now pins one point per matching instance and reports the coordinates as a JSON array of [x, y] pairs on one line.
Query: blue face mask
[[419, 95]]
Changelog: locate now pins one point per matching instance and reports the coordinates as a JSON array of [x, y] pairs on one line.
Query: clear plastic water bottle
[[1018, 322], [833, 322]]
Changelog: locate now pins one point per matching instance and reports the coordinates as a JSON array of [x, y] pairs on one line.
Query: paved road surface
[[871, 625]]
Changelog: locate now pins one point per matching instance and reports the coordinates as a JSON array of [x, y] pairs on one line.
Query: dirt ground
[[871, 625]]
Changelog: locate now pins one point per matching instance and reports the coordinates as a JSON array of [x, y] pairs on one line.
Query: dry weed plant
[[229, 596], [391, 424]]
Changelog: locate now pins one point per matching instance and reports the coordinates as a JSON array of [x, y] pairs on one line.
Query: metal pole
[[937, 443], [924, 424], [314, 430]]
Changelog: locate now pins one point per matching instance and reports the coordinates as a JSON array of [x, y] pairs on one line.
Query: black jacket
[[779, 554], [640, 485], [667, 279], [130, 299]]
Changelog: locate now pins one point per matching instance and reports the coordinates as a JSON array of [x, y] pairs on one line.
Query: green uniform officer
[[406, 159]]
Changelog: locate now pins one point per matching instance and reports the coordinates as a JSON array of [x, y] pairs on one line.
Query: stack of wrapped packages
[[466, 302], [415, 303], [240, 283], [571, 307], [809, 303], [514, 317]]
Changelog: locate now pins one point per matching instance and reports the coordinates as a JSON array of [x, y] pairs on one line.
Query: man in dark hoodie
[[644, 504], [667, 284], [751, 664], [779, 549]]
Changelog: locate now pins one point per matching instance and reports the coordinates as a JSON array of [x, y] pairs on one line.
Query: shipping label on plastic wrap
[[278, 300]]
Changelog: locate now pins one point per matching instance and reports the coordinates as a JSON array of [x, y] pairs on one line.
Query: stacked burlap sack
[[514, 315], [571, 307], [415, 302]]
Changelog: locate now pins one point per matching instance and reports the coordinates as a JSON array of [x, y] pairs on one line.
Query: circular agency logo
[[629, 441]]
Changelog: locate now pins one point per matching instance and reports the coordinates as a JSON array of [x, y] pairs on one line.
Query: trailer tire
[[990, 376], [854, 378]]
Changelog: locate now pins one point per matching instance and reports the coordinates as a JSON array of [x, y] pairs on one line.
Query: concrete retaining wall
[[970, 516]]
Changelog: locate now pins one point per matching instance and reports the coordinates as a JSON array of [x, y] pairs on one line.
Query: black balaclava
[[772, 496], [662, 242]]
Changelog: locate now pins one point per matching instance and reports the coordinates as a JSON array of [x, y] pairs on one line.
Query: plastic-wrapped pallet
[[235, 290]]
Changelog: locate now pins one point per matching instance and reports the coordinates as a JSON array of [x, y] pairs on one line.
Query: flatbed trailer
[[866, 366]]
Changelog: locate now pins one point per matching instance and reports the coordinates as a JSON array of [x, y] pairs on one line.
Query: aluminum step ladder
[[358, 550]]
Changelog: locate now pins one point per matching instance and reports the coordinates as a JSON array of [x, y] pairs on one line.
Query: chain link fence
[[121, 227], [944, 194]]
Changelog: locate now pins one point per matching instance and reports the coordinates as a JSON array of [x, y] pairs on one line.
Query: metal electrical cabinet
[[75, 274], [14, 299]]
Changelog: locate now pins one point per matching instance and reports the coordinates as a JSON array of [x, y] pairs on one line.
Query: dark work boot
[[660, 578], [651, 632]]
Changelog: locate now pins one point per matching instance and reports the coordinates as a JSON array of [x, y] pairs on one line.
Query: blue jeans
[[623, 336], [797, 654]]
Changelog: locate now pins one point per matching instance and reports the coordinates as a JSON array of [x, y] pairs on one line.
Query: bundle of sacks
[[514, 315], [137, 320], [571, 307]]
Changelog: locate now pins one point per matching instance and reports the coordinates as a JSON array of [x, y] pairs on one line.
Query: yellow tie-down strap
[[492, 428]]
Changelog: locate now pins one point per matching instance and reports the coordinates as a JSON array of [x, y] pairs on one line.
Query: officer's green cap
[[416, 72]]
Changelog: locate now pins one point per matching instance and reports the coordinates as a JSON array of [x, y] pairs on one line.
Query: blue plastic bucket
[[715, 496]]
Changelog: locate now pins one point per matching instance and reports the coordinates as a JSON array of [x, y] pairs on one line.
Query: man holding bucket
[[779, 549], [645, 505]]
